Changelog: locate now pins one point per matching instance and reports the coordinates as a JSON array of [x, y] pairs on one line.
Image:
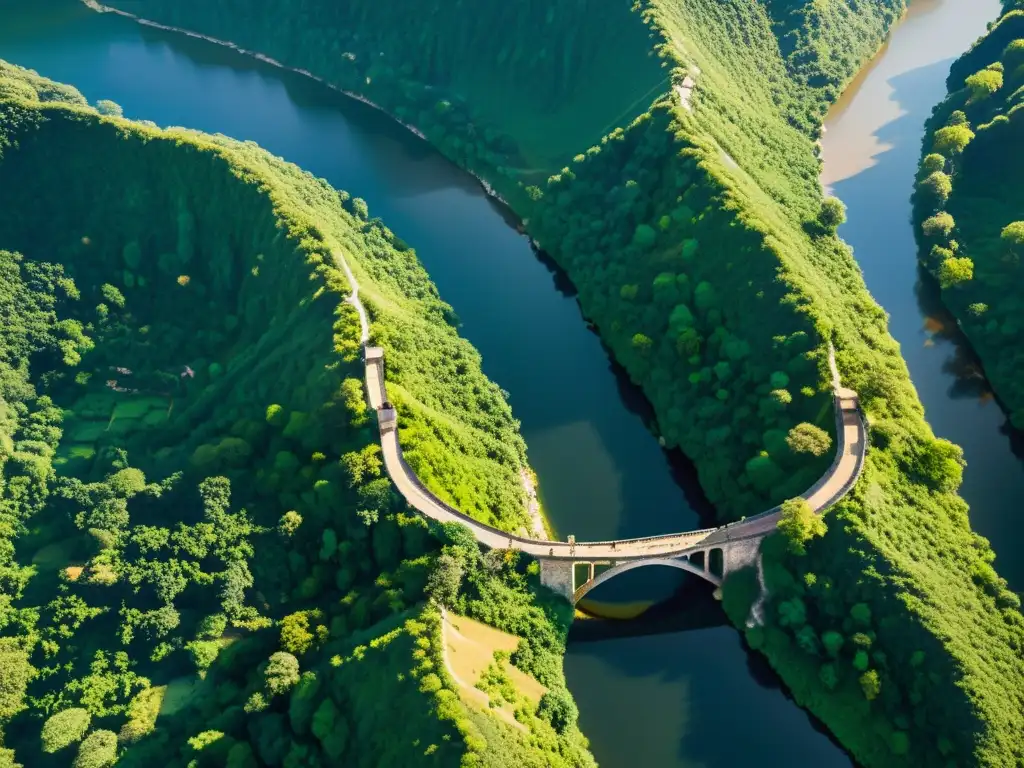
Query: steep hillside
[[702, 249], [200, 558], [969, 203]]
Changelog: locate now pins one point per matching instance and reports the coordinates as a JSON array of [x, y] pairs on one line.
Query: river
[[871, 151], [671, 698]]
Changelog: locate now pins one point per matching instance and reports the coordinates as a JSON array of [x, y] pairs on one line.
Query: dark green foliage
[[966, 231], [274, 532], [730, 190], [557, 707]]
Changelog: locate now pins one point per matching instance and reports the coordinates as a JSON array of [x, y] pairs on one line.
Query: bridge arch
[[682, 564]]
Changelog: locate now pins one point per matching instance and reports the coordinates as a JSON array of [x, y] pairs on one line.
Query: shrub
[[558, 708], [832, 214], [65, 728], [799, 524], [97, 751], [938, 185], [984, 83], [939, 225], [956, 270], [109, 108], [281, 673], [807, 438], [952, 140]]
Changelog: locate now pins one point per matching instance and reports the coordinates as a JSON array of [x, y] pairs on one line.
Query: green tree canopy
[[282, 672], [99, 750], [832, 214], [940, 225], [1013, 236], [955, 271], [984, 83], [558, 708], [952, 140], [939, 185], [807, 438], [15, 674], [65, 728], [799, 524]]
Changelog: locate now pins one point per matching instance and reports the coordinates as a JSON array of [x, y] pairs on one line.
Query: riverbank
[[861, 336], [968, 206]]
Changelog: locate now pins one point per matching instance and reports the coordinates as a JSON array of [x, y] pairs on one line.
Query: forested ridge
[[690, 217], [969, 202], [202, 562]]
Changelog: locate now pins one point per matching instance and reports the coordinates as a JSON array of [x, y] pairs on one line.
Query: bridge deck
[[837, 481]]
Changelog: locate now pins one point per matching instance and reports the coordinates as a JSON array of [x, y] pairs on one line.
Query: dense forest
[[201, 559], [694, 226], [969, 202]]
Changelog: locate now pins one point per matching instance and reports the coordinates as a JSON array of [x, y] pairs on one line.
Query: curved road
[[851, 449]]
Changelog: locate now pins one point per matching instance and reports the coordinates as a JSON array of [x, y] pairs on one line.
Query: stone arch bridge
[[574, 568]]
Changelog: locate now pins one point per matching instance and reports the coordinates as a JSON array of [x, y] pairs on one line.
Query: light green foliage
[[99, 750], [952, 140], [955, 270], [212, 627], [1013, 236], [933, 163], [142, 714], [939, 185], [276, 415], [807, 438], [984, 83], [870, 684], [282, 673], [445, 579], [112, 296], [289, 523], [799, 524], [300, 630], [939, 226], [15, 674], [109, 108], [203, 653], [65, 728]]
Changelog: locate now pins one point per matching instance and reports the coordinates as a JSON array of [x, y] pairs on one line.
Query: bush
[[984, 83], [65, 728], [832, 214], [799, 524], [99, 750], [955, 270], [807, 438], [109, 108], [282, 673], [557, 707]]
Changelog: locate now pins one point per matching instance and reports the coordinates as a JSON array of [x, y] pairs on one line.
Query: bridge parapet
[[737, 542]]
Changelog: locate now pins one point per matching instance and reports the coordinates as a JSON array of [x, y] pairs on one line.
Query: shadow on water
[[950, 381]]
